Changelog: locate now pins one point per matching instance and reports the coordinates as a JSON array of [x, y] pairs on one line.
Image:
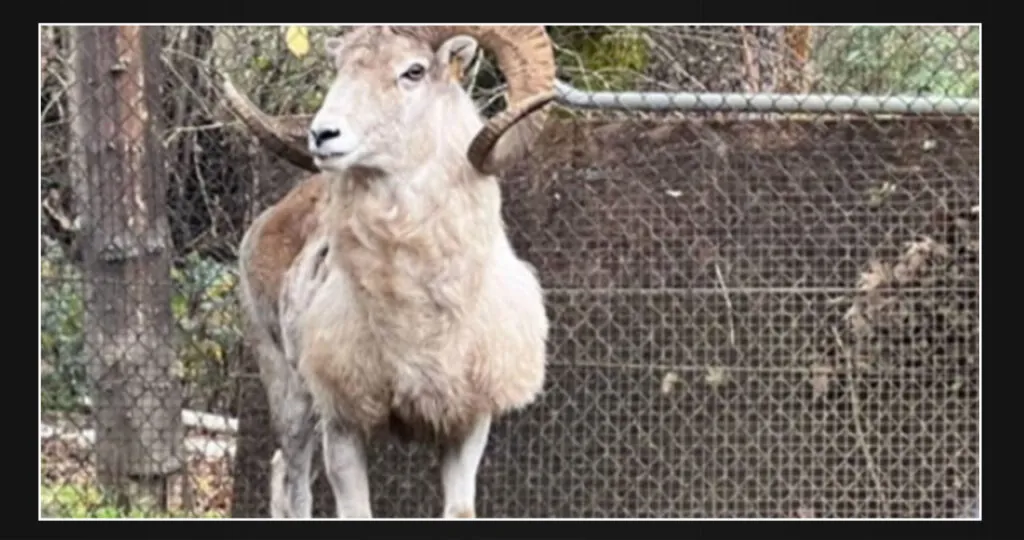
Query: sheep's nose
[[318, 137]]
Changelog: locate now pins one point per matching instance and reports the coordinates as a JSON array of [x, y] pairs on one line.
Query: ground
[[69, 487]]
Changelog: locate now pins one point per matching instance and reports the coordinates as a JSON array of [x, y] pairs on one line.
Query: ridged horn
[[526, 57], [272, 133]]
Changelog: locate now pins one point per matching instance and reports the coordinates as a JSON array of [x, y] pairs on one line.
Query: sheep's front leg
[[459, 464], [345, 463], [295, 426]]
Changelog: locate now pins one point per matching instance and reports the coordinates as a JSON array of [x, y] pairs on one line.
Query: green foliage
[[259, 59], [61, 339], [601, 57], [899, 60], [83, 502], [207, 317], [846, 59], [205, 313]]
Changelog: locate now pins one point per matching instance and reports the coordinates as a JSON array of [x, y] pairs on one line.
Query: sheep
[[382, 294]]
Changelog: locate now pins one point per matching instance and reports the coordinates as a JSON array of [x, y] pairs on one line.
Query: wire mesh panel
[[753, 314]]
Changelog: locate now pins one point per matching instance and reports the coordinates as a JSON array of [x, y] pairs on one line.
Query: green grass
[[87, 502]]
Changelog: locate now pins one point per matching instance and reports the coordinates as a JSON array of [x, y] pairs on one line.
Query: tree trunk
[[120, 186], [797, 52], [714, 58]]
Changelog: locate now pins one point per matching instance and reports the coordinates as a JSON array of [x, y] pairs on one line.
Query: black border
[[690, 12], [532, 530], [25, 508]]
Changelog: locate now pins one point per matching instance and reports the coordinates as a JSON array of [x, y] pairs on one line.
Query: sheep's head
[[397, 93], [393, 101]]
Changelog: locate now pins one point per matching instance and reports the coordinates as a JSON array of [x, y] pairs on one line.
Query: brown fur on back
[[287, 228]]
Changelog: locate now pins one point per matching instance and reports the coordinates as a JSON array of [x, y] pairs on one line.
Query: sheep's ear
[[455, 55], [333, 45]]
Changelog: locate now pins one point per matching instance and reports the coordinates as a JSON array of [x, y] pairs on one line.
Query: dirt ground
[[203, 490]]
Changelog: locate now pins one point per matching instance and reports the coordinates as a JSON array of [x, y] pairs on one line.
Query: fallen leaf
[[297, 38]]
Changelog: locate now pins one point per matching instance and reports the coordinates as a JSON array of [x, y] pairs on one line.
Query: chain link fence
[[757, 310]]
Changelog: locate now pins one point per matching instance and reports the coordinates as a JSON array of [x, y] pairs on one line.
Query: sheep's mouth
[[333, 161], [326, 156]]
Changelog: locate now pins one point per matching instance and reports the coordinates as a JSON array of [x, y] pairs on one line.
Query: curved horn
[[526, 57], [271, 132]]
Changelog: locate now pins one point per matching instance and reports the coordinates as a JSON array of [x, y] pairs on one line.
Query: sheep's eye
[[415, 72]]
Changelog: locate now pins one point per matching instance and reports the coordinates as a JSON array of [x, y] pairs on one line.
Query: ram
[[382, 294]]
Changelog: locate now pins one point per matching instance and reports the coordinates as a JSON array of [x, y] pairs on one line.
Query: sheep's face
[[392, 101]]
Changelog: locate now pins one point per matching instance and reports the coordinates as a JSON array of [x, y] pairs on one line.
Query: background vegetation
[[283, 70]]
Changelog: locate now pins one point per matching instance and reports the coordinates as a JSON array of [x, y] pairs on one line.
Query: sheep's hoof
[[279, 504], [461, 514]]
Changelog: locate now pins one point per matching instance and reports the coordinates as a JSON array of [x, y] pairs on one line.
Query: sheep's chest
[[396, 349]]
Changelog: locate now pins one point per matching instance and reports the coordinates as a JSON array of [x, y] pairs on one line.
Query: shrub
[[205, 315]]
